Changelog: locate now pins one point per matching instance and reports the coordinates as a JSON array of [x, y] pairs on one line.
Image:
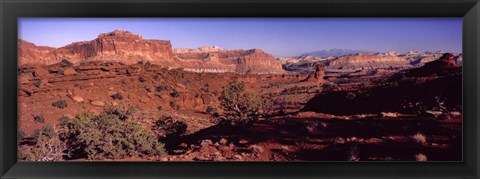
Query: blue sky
[[278, 36]]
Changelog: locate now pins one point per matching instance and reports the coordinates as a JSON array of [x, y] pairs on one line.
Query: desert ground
[[180, 114]]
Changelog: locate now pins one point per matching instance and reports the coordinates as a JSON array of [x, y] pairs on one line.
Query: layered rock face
[[368, 61], [30, 53], [254, 61], [129, 48], [121, 46]]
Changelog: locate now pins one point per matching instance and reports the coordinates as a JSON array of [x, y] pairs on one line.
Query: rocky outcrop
[[29, 53], [254, 61], [368, 61], [129, 48], [121, 46], [319, 73]]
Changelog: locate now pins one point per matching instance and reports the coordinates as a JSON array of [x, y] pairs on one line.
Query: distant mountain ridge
[[335, 52]]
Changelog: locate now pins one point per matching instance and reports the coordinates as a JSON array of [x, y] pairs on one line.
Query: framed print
[[317, 89]]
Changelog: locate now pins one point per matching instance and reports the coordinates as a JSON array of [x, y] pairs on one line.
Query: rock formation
[[129, 48], [319, 73], [121, 46], [368, 61], [254, 61]]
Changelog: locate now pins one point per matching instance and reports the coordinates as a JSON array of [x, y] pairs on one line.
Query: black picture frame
[[11, 10]]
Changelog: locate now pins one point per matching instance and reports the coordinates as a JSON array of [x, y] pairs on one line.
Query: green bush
[[60, 104], [238, 104], [110, 135]]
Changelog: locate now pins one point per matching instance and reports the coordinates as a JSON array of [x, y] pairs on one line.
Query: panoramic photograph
[[240, 89]]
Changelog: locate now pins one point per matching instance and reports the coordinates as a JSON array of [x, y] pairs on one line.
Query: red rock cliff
[[118, 45]]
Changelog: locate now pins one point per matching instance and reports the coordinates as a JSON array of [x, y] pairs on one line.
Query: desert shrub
[[166, 127], [60, 72], [46, 130], [175, 94], [174, 105], [37, 83], [205, 89], [160, 88], [328, 87], [66, 63], [238, 104], [108, 136], [160, 108], [60, 104], [21, 134], [45, 149], [142, 79], [350, 96], [122, 112], [117, 96], [212, 111], [63, 120], [39, 118]]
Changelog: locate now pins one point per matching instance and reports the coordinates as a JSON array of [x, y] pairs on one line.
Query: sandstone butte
[[130, 48]]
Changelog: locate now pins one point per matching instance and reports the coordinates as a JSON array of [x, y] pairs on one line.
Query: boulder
[[97, 103], [69, 71], [78, 99]]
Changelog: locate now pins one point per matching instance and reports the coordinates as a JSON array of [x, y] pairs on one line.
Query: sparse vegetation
[[39, 118], [160, 88], [45, 149], [110, 135], [47, 130], [60, 104], [60, 72], [238, 104], [212, 111], [123, 113], [167, 127], [117, 96], [175, 94], [37, 83], [66, 63], [174, 105], [21, 134]]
